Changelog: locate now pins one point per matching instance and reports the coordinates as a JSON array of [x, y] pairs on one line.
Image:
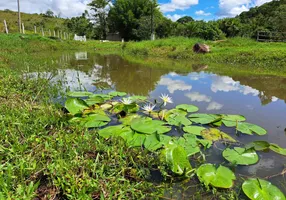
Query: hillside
[[270, 16], [31, 20]]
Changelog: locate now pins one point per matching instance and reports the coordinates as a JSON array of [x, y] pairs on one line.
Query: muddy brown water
[[260, 98]]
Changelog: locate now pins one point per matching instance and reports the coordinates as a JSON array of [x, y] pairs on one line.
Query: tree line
[[137, 19]]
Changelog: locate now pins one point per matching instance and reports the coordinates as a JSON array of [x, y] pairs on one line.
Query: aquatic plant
[[141, 125], [166, 99]]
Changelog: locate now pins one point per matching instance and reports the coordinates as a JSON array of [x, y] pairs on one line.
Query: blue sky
[[206, 9], [173, 9]]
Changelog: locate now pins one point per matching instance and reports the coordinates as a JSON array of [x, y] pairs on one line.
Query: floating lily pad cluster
[[143, 124]]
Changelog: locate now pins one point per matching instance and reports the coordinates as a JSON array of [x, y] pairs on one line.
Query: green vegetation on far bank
[[230, 51], [243, 54]]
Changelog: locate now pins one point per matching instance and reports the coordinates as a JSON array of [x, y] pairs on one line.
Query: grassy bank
[[42, 157], [232, 51], [241, 53]]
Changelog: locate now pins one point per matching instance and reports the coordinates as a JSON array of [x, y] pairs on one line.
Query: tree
[[230, 26], [81, 25], [49, 13], [126, 17], [185, 20], [100, 8]]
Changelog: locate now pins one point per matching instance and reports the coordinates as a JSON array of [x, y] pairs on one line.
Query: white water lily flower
[[149, 107], [166, 99], [126, 101]]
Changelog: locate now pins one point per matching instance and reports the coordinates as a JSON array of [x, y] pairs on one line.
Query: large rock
[[201, 48]]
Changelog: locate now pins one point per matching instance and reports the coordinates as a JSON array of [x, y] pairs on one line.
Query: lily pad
[[119, 107], [96, 121], [205, 118], [95, 100], [106, 97], [113, 131], [188, 108], [229, 123], [174, 112], [155, 141], [132, 108], [234, 118], [75, 105], [138, 98], [176, 158], [149, 126], [258, 145], [178, 120], [106, 106], [241, 156], [195, 130], [189, 143], [129, 118], [276, 148], [221, 177], [79, 94], [136, 140], [205, 143], [117, 94], [258, 189], [213, 134], [249, 129]]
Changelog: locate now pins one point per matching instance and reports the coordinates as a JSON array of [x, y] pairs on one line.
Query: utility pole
[[152, 20], [19, 16]]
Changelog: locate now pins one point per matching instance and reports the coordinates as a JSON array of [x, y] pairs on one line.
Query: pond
[[260, 98]]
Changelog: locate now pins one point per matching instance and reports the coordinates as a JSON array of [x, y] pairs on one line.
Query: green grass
[[42, 156], [232, 51], [30, 20]]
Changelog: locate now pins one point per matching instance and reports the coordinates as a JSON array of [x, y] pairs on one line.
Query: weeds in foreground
[[41, 157]]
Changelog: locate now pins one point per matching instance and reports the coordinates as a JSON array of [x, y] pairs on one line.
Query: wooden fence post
[[23, 28], [6, 28], [50, 34], [35, 29], [43, 33], [54, 33]]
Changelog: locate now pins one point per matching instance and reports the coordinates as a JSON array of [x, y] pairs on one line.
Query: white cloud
[[67, 8], [173, 74], [195, 96], [260, 2], [174, 85], [214, 106], [202, 13], [274, 99], [227, 84], [231, 8], [178, 5], [70, 78], [174, 17]]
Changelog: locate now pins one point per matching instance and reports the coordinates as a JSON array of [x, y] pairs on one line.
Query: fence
[[268, 36], [80, 38], [48, 33]]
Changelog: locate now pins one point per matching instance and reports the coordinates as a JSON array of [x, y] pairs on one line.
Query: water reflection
[[261, 99], [81, 56]]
